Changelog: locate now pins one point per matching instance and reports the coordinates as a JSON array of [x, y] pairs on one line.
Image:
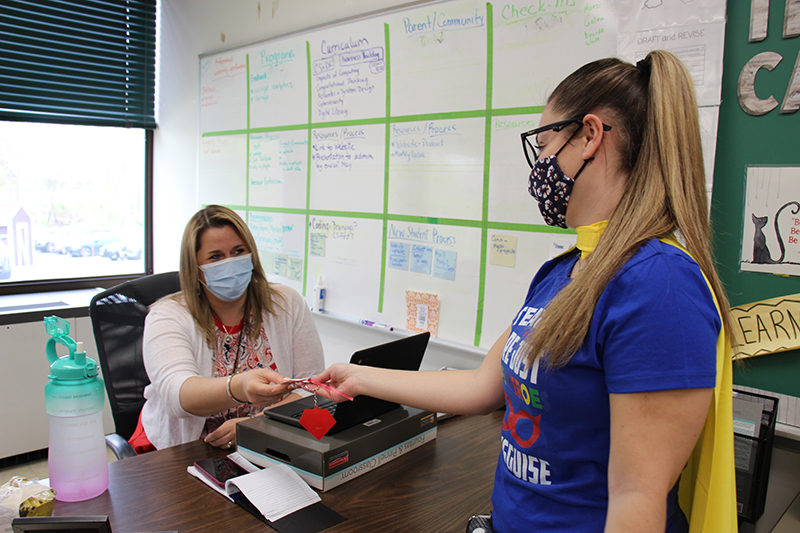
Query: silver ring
[[230, 444]]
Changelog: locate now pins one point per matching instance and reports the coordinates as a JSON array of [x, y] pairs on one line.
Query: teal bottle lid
[[70, 367]]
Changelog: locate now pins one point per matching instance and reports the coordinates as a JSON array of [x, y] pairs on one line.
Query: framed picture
[[66, 524]]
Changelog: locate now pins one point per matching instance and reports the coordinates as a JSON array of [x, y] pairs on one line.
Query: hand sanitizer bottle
[[319, 296]]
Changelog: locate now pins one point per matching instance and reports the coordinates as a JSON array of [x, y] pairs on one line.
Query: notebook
[[402, 354]]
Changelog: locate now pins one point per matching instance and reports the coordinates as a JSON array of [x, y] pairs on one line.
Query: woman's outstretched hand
[[261, 387]]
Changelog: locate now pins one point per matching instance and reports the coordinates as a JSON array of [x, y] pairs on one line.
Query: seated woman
[[219, 351]]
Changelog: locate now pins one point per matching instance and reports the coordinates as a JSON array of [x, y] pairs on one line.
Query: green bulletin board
[[744, 140]]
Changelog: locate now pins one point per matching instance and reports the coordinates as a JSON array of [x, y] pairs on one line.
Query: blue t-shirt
[[655, 327]]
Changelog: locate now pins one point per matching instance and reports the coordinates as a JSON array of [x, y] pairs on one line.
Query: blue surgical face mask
[[229, 278]]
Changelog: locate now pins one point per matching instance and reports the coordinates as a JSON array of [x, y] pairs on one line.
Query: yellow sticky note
[[503, 251]]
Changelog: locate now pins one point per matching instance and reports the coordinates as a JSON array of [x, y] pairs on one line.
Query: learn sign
[[769, 326]]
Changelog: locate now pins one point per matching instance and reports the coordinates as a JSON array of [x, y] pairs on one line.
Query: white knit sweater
[[174, 350]]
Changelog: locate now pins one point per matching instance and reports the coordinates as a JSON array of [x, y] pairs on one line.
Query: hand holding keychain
[[304, 382]]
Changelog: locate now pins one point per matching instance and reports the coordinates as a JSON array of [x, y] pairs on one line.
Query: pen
[[375, 324]]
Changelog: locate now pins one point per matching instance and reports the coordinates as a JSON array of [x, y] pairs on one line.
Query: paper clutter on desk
[[276, 491]]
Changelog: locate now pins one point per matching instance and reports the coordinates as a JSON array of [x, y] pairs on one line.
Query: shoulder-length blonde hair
[[259, 294], [654, 113]]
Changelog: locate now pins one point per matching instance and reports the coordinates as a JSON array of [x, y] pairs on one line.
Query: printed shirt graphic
[[230, 355], [655, 327]]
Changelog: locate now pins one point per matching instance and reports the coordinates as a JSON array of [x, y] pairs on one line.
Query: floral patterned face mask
[[552, 188]]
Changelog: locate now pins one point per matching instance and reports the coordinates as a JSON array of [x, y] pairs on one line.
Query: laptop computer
[[402, 354]]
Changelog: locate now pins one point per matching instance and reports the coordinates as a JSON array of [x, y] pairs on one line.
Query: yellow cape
[[707, 491]]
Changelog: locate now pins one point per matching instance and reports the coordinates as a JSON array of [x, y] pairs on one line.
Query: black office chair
[[118, 321]]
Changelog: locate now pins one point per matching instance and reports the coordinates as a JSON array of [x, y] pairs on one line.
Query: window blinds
[[88, 62]]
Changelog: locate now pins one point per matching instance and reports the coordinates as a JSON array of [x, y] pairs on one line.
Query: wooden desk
[[434, 488]]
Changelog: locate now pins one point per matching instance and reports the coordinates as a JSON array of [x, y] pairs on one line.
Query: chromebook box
[[335, 459]]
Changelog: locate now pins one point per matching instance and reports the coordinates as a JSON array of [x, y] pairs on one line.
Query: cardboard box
[[335, 459]]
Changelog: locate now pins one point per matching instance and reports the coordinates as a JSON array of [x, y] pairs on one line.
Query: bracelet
[[228, 386]]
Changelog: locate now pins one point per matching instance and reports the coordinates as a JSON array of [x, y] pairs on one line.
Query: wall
[[22, 411], [189, 28]]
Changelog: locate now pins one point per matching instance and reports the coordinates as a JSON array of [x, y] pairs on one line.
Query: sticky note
[[444, 264], [398, 255], [421, 257], [295, 269], [280, 264], [503, 251], [317, 244]]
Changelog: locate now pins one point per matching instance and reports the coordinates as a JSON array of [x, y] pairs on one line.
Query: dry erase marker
[[375, 324]]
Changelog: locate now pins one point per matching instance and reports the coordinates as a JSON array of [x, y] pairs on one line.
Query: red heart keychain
[[317, 421]]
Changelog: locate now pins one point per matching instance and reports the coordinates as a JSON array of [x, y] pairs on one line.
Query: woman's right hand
[[260, 386]]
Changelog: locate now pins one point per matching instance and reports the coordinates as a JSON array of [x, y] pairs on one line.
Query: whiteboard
[[383, 153]]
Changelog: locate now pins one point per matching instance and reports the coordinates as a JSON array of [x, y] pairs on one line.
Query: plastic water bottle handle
[[52, 356]]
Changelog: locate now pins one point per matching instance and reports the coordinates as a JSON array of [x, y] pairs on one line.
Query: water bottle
[[77, 459]]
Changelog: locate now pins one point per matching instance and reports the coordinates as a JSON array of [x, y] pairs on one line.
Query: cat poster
[[771, 232]]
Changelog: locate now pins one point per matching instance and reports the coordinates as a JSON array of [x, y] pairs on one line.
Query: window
[[71, 201], [77, 87]]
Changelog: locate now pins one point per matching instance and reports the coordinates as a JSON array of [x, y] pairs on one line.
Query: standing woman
[[219, 351], [616, 372]]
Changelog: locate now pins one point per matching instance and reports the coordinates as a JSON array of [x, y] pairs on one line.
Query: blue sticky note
[[421, 257], [444, 264], [398, 255]]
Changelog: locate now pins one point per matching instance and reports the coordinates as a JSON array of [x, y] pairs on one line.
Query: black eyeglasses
[[531, 149]]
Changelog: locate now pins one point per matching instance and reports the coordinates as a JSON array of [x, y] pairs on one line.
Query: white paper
[[635, 15], [276, 491], [699, 46], [746, 416]]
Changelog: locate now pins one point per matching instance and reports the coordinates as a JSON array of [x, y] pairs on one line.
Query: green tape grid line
[[500, 112], [487, 152], [247, 142], [386, 158], [414, 219], [308, 170]]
